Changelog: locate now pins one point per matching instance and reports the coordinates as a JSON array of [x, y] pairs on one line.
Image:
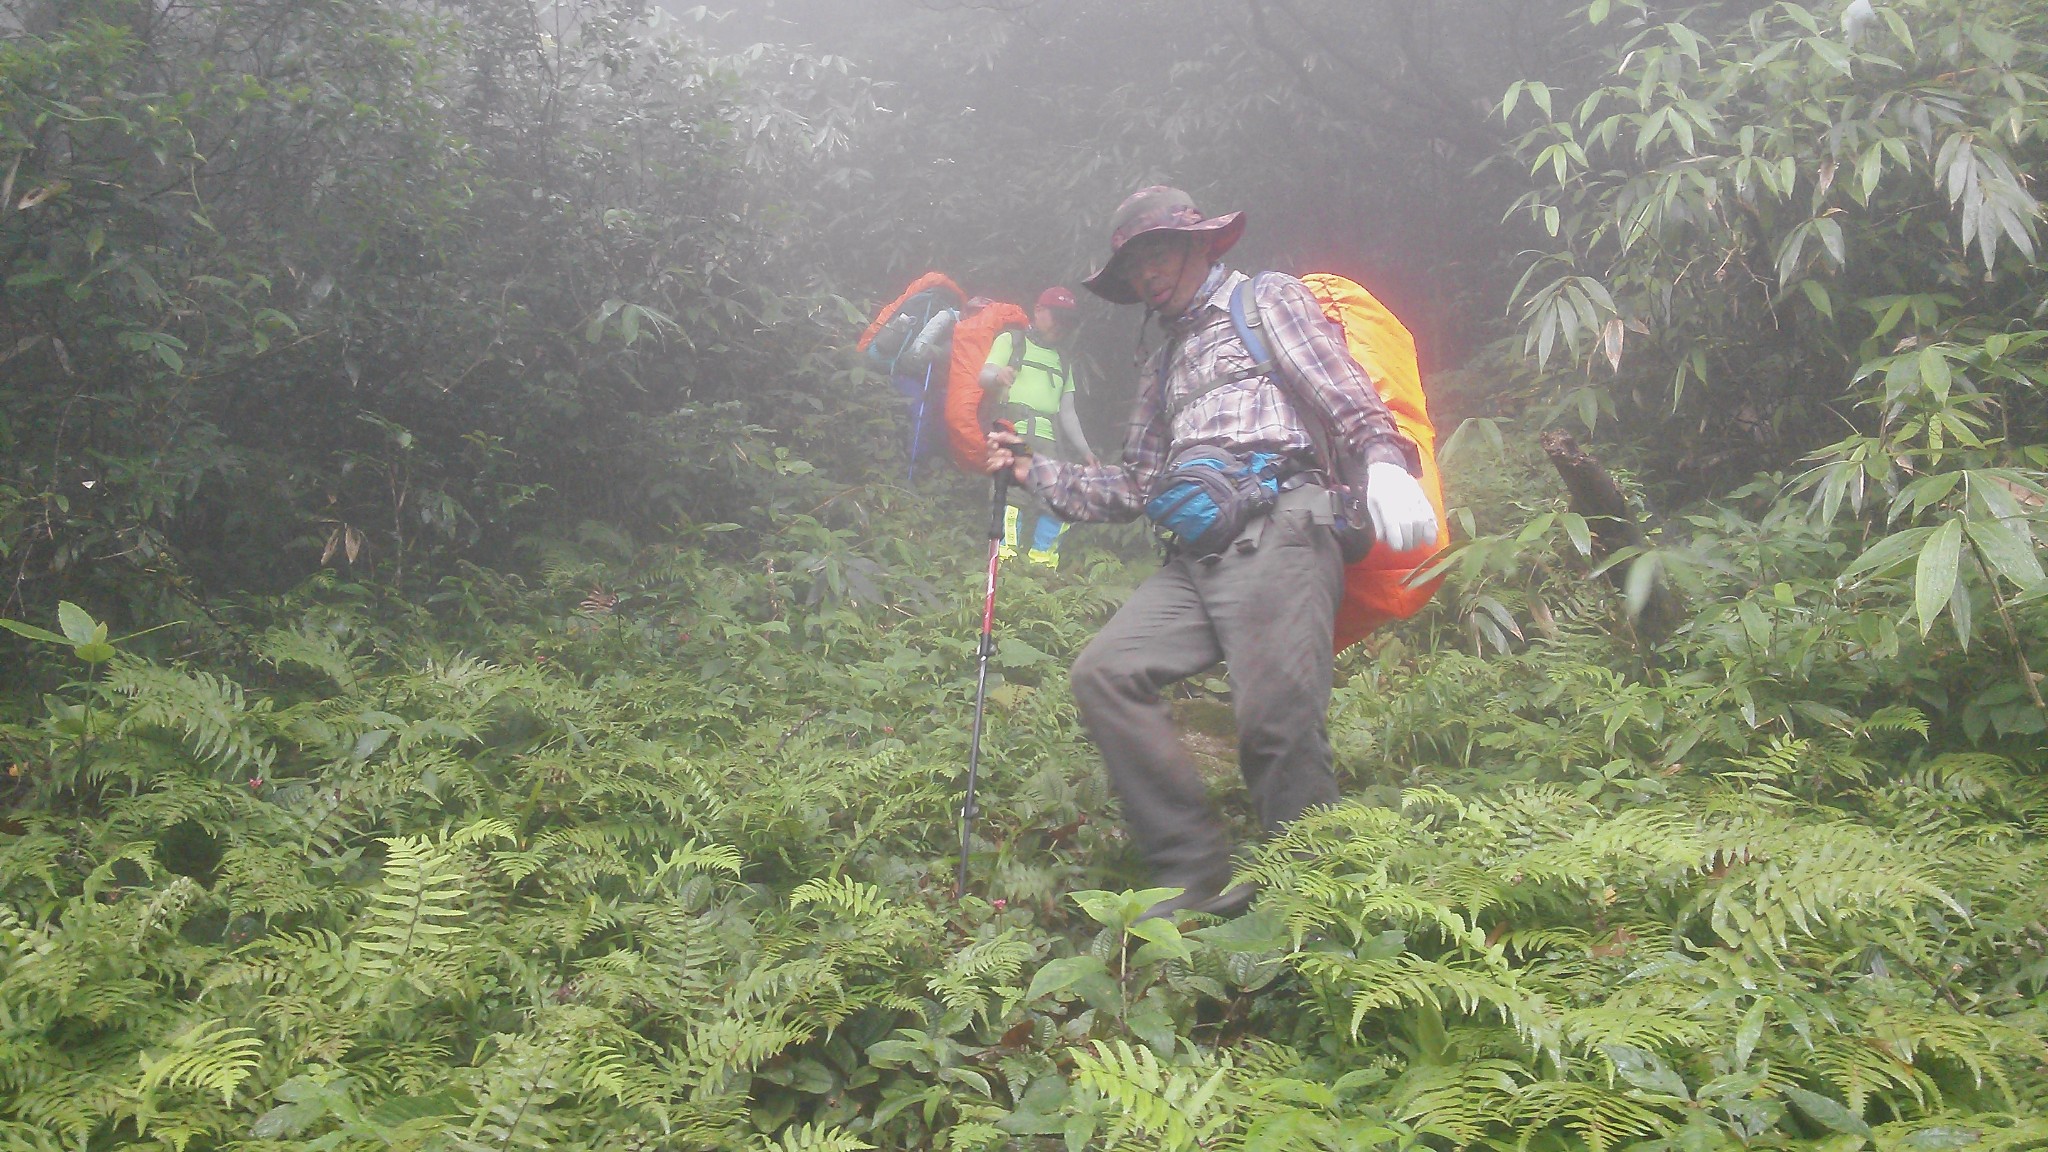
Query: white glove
[[1402, 516]]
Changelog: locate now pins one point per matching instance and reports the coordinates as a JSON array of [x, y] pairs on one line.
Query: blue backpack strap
[[1244, 318]]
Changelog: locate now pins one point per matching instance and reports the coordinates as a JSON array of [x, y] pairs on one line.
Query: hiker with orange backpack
[[1263, 451], [910, 343], [1027, 381]]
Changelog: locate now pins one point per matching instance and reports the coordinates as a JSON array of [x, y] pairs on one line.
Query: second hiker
[[1026, 380]]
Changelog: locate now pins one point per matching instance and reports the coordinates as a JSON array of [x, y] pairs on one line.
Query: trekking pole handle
[[1002, 500]]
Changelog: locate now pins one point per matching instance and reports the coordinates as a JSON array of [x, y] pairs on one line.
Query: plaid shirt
[[1252, 415]]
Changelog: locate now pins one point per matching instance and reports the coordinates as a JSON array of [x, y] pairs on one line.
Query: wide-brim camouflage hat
[[1157, 209]]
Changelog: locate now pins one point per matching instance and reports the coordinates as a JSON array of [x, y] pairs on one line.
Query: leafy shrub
[[307, 282]]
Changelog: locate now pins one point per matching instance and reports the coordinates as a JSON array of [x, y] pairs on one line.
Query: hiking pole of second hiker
[[917, 427], [988, 631]]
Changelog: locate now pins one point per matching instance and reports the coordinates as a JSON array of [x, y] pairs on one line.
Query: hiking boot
[[1227, 904]]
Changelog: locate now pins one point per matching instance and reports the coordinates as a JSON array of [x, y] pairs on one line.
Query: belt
[[1308, 496]]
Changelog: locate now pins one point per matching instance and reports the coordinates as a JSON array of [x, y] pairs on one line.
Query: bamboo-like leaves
[[1934, 577], [1568, 309], [1990, 197], [2008, 550]]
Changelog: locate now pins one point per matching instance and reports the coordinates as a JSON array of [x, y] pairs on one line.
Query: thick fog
[[1357, 135], [483, 663], [1359, 138]]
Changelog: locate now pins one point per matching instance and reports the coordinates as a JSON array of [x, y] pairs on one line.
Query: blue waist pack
[[1206, 496]]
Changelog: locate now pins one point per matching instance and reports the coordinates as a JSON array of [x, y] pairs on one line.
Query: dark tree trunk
[[1596, 496]]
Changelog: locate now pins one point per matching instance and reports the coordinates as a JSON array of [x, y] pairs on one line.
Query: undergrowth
[[1728, 838], [653, 848]]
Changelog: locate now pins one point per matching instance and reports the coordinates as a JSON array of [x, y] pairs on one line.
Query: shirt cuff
[[1044, 473], [1395, 449]]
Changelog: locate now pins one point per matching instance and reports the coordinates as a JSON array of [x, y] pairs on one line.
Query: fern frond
[[841, 894], [1460, 1102], [1650, 1020], [318, 649], [1982, 1044], [211, 713], [1172, 1106], [1893, 719], [1408, 980], [737, 1044], [269, 880], [692, 859], [813, 1138], [209, 1056], [971, 973], [481, 831], [1859, 1070], [416, 912], [1600, 1116], [1987, 1132]]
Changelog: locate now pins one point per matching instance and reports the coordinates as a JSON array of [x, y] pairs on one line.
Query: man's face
[[1165, 269], [1050, 322]]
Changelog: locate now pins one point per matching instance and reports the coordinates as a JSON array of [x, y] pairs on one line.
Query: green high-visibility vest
[[1042, 381]]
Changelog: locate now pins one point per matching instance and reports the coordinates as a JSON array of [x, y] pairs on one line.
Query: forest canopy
[[480, 670]]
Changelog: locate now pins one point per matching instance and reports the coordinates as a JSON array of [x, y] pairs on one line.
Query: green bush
[[307, 282]]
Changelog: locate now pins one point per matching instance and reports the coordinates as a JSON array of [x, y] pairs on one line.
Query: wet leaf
[[1934, 579]]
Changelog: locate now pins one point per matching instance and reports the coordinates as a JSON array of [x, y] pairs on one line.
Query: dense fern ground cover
[[421, 814], [653, 849]]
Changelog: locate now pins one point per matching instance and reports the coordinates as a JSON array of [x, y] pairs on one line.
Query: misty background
[[477, 672], [1362, 139]]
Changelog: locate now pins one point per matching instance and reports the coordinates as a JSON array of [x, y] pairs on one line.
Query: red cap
[[1055, 298]]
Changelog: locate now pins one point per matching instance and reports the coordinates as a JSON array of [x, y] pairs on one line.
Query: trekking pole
[[917, 428], [988, 643]]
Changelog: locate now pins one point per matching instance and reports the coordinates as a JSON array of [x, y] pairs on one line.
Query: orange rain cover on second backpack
[[1376, 589], [928, 280], [973, 336]]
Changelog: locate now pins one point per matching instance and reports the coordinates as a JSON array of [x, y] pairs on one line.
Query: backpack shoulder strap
[[919, 310], [1250, 322], [1017, 343], [1050, 360], [1245, 318]]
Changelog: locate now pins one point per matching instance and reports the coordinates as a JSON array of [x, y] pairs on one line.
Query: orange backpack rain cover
[[928, 280], [973, 336], [1375, 588]]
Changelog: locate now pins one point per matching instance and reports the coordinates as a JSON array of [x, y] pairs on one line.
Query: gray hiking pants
[[1267, 605]]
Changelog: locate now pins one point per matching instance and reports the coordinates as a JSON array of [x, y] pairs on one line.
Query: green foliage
[[1717, 962], [633, 844], [300, 283], [649, 864], [540, 868], [1805, 228]]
